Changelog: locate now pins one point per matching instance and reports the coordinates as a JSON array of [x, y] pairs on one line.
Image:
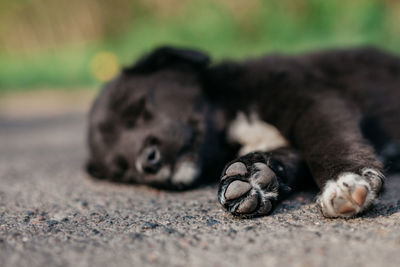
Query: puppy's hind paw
[[248, 188], [351, 194]]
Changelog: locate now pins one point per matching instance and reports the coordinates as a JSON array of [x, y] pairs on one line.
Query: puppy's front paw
[[248, 187], [350, 194]]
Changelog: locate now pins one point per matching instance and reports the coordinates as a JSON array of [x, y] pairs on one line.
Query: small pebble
[[29, 213], [169, 230], [135, 236], [212, 222], [149, 225], [51, 223]]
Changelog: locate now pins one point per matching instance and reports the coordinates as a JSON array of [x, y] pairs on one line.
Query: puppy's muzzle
[[150, 160]]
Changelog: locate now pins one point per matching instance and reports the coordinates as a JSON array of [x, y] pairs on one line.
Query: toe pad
[[350, 195]]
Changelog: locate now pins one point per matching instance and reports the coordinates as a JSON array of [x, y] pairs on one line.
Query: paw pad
[[350, 195], [359, 195], [248, 190], [236, 189], [237, 168]]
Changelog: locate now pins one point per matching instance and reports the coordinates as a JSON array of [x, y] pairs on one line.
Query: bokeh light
[[104, 66]]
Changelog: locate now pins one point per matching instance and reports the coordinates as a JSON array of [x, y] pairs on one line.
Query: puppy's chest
[[254, 134]]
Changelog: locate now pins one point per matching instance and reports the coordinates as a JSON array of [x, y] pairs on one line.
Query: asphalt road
[[51, 214]]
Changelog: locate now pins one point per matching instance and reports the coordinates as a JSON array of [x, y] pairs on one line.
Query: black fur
[[167, 57], [318, 102], [339, 109], [154, 114]]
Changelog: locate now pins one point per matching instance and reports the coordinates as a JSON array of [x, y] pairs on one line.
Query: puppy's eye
[[152, 140], [134, 112]]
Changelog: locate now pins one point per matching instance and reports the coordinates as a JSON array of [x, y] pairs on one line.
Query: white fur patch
[[254, 134], [186, 173], [340, 192], [163, 173]]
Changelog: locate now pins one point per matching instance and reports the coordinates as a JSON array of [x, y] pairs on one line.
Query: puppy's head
[[151, 125]]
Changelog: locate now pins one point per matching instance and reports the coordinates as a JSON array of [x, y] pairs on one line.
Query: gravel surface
[[51, 214]]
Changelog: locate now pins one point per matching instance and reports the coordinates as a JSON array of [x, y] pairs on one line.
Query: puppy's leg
[[341, 161], [252, 184]]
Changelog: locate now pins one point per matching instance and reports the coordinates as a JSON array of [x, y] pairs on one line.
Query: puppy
[[153, 125], [169, 122], [339, 109]]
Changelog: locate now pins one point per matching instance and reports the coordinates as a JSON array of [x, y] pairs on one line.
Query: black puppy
[[153, 125], [164, 122]]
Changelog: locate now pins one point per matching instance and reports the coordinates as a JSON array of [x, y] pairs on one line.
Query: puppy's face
[[153, 126]]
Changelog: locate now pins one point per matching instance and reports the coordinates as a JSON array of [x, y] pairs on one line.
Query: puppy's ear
[[166, 56]]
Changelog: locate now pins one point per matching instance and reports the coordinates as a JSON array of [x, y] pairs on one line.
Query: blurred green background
[[56, 44]]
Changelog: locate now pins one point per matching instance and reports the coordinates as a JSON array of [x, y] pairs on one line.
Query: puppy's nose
[[151, 159]]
